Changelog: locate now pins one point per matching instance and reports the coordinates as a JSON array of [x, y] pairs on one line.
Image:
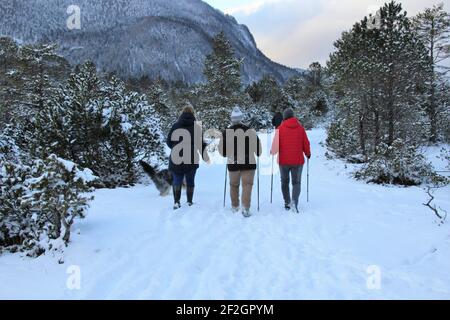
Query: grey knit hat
[[237, 115], [288, 113]]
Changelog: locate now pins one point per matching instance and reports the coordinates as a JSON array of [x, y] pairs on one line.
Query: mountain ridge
[[139, 37]]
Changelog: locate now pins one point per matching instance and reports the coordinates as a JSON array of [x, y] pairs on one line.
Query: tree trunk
[[432, 114], [432, 103], [391, 109], [376, 141], [362, 135], [391, 125]]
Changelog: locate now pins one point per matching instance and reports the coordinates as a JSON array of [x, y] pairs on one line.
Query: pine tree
[[380, 71], [433, 28], [15, 215], [39, 202], [315, 74], [10, 78], [269, 93], [102, 126], [380, 74], [69, 125], [398, 163], [310, 95], [316, 97], [29, 75], [43, 68], [258, 116], [60, 191], [133, 129], [157, 96], [223, 89], [295, 88], [444, 119]]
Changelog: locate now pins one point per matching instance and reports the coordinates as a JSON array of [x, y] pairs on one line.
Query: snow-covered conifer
[[223, 89]]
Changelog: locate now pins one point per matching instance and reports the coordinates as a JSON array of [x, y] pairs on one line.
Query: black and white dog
[[162, 179]]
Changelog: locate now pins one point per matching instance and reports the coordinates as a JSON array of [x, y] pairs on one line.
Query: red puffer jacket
[[291, 142]]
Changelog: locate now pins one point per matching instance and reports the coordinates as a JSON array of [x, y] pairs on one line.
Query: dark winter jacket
[[186, 124], [291, 143], [277, 120], [249, 140]]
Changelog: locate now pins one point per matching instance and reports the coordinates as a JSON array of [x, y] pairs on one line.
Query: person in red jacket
[[291, 143]]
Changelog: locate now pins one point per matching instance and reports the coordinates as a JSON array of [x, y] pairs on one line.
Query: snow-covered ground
[[133, 246]]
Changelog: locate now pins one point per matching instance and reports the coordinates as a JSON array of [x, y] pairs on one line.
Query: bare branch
[[439, 212]]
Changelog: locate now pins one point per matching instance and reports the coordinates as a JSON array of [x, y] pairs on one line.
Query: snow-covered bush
[[341, 140], [60, 192], [102, 126], [445, 156], [9, 151], [13, 174], [158, 97], [399, 164], [133, 132], [445, 120], [308, 118], [39, 202], [15, 215], [258, 117]]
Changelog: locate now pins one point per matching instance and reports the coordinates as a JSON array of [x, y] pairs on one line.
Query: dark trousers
[[190, 178], [296, 173]]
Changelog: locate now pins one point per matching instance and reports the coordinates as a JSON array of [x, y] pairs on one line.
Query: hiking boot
[[246, 213], [190, 196], [235, 209], [176, 197], [287, 207]]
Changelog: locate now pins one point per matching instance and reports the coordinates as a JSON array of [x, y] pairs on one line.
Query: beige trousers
[[247, 178]]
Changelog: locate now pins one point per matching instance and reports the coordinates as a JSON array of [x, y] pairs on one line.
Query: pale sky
[[298, 32]]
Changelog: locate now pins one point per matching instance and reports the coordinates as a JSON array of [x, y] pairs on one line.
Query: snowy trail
[[133, 246]]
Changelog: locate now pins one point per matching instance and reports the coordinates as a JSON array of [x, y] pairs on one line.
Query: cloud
[[249, 8], [298, 32]]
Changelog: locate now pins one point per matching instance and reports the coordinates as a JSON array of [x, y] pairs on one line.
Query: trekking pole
[[307, 181], [225, 185], [258, 181], [271, 183]]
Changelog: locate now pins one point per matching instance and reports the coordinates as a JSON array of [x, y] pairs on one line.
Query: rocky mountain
[[138, 37]]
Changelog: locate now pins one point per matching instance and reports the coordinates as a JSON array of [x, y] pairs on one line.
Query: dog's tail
[[160, 182], [148, 169]]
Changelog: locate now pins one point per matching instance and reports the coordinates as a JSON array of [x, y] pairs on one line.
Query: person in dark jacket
[[291, 143], [240, 144], [187, 146], [277, 120]]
